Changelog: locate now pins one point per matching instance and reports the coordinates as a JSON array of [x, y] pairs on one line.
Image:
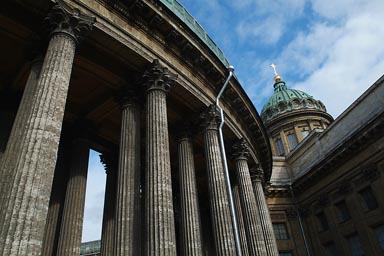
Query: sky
[[333, 50]]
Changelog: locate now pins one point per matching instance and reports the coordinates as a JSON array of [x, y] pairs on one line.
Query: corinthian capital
[[240, 150], [67, 20], [157, 77], [110, 161], [210, 118], [257, 174]]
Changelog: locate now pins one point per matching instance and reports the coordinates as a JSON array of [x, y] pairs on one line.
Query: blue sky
[[332, 50]]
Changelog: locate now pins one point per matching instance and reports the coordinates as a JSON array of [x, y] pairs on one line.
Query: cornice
[[355, 143]]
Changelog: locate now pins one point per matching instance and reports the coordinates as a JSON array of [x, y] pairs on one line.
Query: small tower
[[290, 115]]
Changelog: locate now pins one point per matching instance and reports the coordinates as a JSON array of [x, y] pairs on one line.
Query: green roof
[[179, 10], [284, 100]]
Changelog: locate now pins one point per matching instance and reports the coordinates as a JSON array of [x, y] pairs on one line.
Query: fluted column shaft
[[266, 223], [26, 204], [18, 132], [253, 229], [56, 204], [190, 215], [73, 212], [128, 183], [219, 204], [109, 213], [160, 226], [240, 221], [26, 208]]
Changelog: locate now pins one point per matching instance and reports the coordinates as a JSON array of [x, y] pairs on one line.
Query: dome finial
[[277, 77]]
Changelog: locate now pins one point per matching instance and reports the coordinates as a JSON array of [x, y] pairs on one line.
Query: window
[[279, 146], [285, 254], [295, 104], [368, 200], [322, 221], [292, 140], [379, 232], [355, 245], [280, 229], [282, 107], [342, 212], [304, 133], [330, 249]]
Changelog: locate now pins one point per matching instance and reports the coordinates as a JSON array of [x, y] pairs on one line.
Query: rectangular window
[[280, 229], [279, 146], [292, 140], [304, 133], [355, 245], [368, 199], [379, 232], [322, 221], [342, 212], [330, 249]]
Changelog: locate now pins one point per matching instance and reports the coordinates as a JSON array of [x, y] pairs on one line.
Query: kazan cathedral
[[191, 166]]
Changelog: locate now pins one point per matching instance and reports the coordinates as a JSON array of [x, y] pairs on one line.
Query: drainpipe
[[224, 159]]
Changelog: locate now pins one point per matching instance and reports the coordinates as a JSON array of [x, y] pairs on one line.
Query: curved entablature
[[192, 23], [139, 87]]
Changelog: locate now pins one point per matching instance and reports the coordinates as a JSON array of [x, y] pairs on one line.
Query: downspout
[[224, 159]]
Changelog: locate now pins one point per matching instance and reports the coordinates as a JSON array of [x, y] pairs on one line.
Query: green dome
[[287, 100]]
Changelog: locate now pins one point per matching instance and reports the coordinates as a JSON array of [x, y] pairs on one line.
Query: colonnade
[[34, 222]]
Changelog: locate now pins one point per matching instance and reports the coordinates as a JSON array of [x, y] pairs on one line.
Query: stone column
[[253, 228], [128, 180], [109, 214], [73, 212], [240, 221], [32, 166], [219, 204], [160, 225], [265, 217], [18, 129], [56, 203], [190, 214]]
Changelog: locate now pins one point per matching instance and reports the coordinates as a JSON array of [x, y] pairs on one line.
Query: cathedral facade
[[141, 83], [325, 193]]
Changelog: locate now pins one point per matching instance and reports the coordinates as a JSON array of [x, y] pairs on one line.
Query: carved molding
[[67, 20], [240, 150], [157, 77], [210, 118]]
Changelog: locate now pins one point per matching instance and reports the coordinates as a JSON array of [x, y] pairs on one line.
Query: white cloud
[[346, 59]]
